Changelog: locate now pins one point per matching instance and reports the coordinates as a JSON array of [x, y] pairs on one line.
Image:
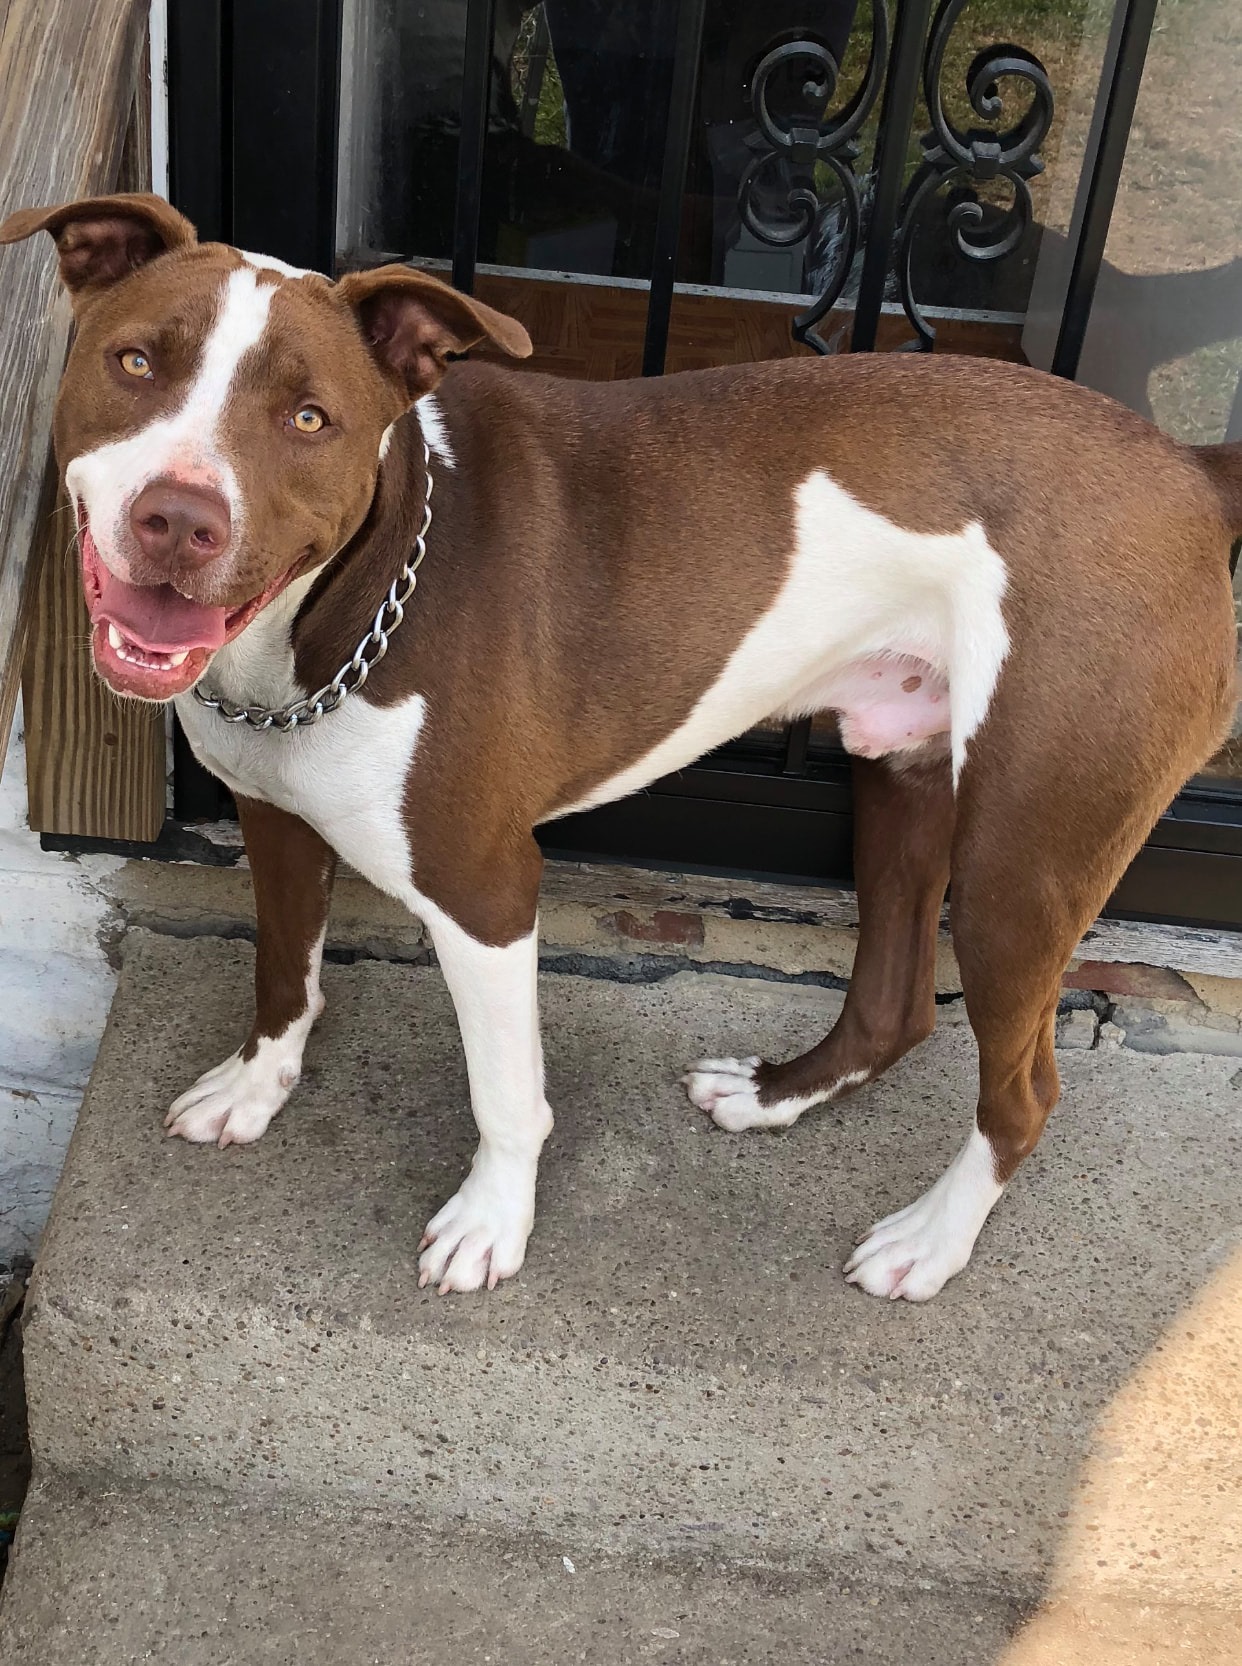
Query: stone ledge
[[651, 923]]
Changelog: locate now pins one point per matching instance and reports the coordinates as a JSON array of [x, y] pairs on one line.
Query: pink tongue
[[157, 617]]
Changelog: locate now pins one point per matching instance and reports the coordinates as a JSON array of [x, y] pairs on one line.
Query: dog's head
[[221, 421]]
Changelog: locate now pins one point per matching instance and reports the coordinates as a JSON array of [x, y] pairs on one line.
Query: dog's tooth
[[115, 639], [179, 658]]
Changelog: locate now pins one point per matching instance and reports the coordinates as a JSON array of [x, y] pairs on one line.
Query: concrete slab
[[197, 1579], [679, 1364]]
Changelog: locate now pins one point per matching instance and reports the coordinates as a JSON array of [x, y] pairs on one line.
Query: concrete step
[[197, 1579], [679, 1371]]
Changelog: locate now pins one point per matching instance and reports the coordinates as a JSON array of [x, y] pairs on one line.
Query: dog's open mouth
[[149, 640]]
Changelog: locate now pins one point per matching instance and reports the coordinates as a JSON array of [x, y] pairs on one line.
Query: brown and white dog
[[1013, 592]]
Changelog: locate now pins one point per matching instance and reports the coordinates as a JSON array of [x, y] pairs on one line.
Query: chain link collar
[[354, 673]]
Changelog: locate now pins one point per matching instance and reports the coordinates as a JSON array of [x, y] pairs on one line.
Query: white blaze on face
[[185, 446]]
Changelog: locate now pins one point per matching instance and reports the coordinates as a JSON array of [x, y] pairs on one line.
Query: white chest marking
[[858, 587], [345, 775]]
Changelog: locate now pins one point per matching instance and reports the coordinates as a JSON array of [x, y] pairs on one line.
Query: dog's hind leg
[[292, 870], [903, 828], [1018, 913]]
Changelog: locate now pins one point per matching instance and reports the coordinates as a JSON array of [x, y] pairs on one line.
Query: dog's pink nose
[[180, 526]]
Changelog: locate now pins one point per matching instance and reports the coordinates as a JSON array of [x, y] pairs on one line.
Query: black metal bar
[[797, 745], [197, 796], [1123, 79], [200, 169], [199, 104], [286, 74], [476, 96], [891, 149], [677, 137]]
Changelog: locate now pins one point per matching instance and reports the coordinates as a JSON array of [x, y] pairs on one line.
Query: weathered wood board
[[67, 77]]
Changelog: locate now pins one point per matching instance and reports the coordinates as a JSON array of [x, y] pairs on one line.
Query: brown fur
[[291, 869]]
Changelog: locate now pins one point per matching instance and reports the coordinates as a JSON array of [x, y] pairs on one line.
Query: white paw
[[914, 1253], [726, 1089], [479, 1237], [233, 1104]]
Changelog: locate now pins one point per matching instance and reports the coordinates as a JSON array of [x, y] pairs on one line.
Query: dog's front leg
[[479, 1237], [291, 869]]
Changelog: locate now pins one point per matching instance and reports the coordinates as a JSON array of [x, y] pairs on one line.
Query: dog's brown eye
[[134, 363], [309, 420]]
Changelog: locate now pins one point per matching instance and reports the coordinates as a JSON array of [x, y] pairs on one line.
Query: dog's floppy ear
[[412, 323], [102, 239]]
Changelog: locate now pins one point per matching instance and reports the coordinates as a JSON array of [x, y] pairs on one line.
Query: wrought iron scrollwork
[[964, 160], [792, 145]]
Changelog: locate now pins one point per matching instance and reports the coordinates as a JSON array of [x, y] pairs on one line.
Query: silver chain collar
[[354, 673]]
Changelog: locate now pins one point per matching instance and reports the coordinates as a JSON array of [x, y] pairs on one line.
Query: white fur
[[269, 263], [345, 775], [857, 586], [259, 661], [233, 1103], [726, 1090], [185, 445], [913, 1253], [435, 430], [480, 1234]]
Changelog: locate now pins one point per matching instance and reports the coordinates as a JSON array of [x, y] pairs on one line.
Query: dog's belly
[[889, 703]]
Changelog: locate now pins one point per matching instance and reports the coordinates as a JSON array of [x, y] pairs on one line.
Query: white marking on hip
[[858, 588], [184, 446], [913, 1253]]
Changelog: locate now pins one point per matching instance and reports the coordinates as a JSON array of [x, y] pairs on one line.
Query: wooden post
[[67, 77], [95, 764]]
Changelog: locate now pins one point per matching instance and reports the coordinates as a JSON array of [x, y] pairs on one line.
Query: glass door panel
[[1165, 335], [780, 177]]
